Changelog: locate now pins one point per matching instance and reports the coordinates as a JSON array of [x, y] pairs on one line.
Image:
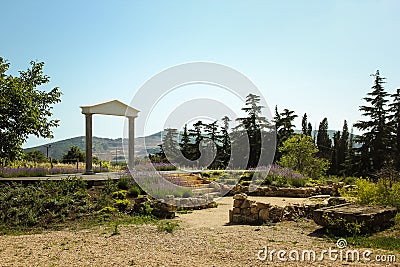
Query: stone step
[[202, 191]]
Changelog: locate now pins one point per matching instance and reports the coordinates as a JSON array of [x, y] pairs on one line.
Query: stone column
[[89, 167], [131, 142]]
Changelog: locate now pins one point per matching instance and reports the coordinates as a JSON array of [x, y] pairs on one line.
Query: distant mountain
[[109, 149], [104, 148]]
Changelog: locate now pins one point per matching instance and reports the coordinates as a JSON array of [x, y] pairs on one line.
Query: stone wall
[[273, 191], [166, 209], [247, 211]]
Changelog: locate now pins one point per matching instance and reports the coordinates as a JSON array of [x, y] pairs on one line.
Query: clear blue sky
[[307, 56]]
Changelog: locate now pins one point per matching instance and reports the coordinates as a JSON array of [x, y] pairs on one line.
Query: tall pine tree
[[376, 133], [394, 122], [284, 128], [252, 126]]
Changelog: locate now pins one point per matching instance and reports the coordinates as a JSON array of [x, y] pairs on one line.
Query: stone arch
[[113, 108]]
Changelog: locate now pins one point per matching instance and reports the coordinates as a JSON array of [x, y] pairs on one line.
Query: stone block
[[246, 204], [254, 209], [237, 203], [263, 215], [236, 218], [263, 205], [245, 211], [241, 196]]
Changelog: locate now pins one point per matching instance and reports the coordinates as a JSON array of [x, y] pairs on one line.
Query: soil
[[204, 239]]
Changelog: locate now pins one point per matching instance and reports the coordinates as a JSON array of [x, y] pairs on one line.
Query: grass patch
[[386, 243], [167, 226]]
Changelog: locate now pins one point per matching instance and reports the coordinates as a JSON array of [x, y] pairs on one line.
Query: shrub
[[108, 210], [297, 182], [379, 193], [205, 174], [122, 204], [43, 203], [187, 193], [123, 183], [245, 183], [121, 194], [134, 191]]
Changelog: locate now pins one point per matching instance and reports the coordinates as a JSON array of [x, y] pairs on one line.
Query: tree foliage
[[284, 127], [73, 155], [376, 133], [24, 109], [35, 156], [299, 153], [394, 124], [324, 142]]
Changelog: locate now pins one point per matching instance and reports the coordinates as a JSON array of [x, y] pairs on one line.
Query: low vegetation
[[66, 203]]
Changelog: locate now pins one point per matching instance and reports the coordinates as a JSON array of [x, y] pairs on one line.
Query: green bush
[[122, 204], [134, 191], [380, 193], [43, 203], [297, 182], [187, 193], [121, 194], [350, 180], [245, 183], [205, 174], [124, 183], [108, 210]]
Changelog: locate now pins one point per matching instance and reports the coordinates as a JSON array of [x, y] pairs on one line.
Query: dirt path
[[202, 240], [218, 217]]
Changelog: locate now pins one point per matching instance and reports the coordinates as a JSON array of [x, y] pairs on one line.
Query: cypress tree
[[304, 126], [185, 143], [309, 129], [324, 143]]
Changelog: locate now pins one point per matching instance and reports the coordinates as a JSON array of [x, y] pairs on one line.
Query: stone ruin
[[347, 216], [247, 211], [327, 211]]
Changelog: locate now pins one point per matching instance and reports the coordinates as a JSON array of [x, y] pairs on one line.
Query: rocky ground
[[204, 239]]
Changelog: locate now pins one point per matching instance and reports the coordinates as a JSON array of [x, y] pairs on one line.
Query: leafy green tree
[[24, 110], [376, 132], [394, 123], [74, 154], [324, 143], [299, 153], [36, 156]]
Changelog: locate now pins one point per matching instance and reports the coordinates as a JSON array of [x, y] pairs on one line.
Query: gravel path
[[202, 240]]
